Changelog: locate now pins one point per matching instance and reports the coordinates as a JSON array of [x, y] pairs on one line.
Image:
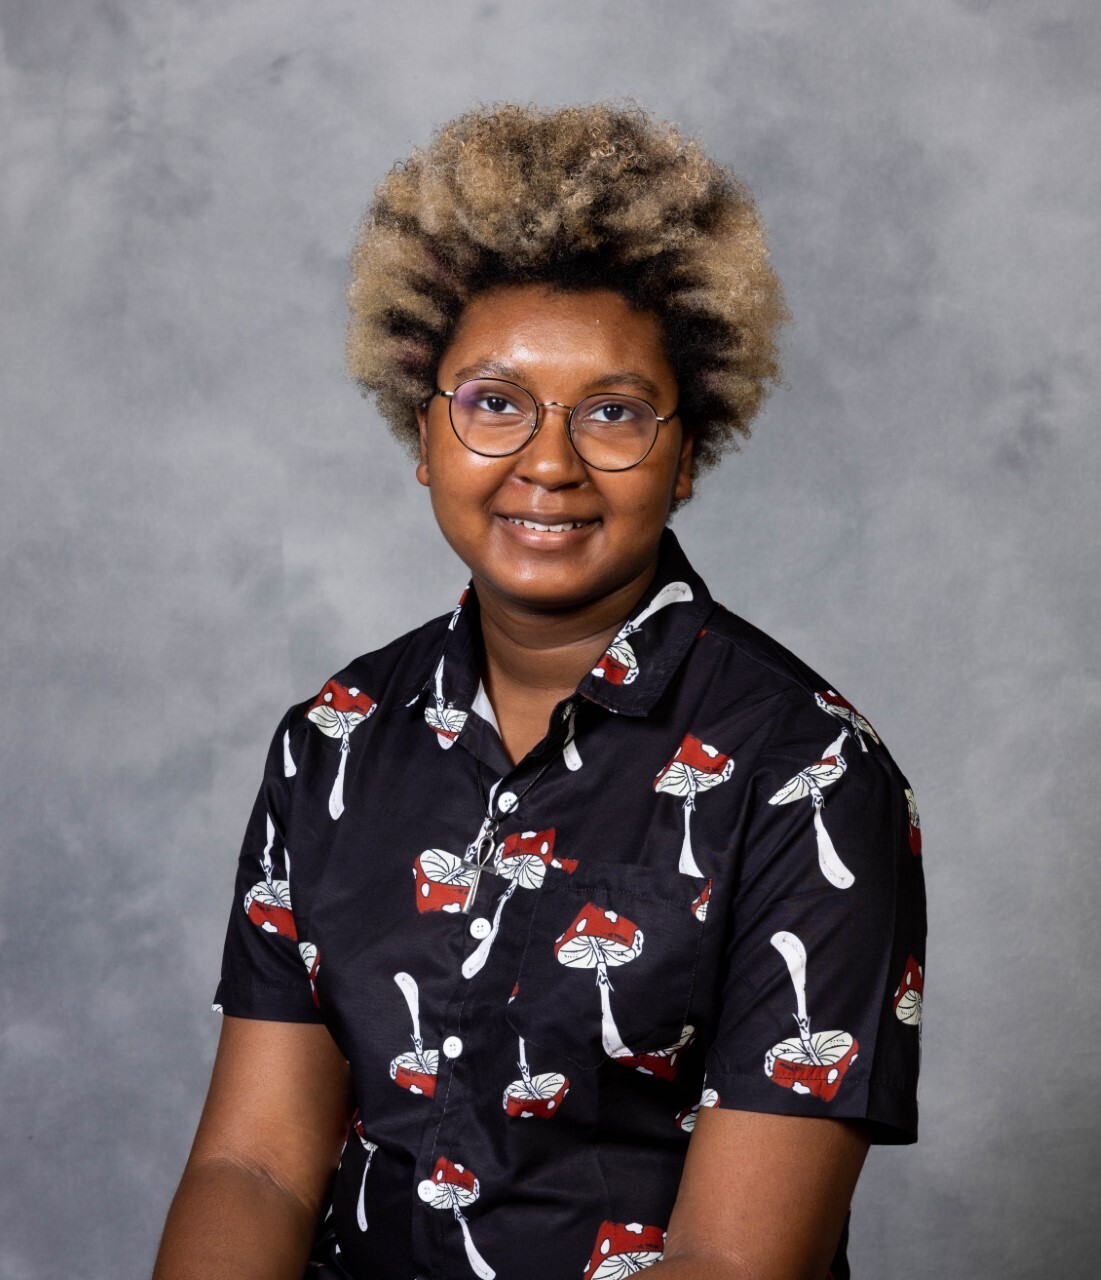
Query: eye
[[613, 411], [488, 402], [493, 403]]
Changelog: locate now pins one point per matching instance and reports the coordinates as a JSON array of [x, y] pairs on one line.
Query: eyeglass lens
[[611, 432]]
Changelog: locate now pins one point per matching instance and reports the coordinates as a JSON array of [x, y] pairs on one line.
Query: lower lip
[[550, 540]]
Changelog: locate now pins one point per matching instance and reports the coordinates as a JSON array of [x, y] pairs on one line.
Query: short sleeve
[[823, 961], [266, 971]]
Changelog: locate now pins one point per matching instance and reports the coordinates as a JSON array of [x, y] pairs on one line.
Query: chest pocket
[[609, 965]]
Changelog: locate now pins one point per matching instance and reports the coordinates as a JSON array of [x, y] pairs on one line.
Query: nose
[[549, 458]]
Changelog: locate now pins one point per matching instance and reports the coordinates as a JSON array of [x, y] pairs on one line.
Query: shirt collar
[[633, 671]]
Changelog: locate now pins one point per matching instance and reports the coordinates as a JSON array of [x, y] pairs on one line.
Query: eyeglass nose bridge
[[540, 417]]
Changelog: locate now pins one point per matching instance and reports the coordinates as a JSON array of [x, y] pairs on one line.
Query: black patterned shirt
[[703, 888]]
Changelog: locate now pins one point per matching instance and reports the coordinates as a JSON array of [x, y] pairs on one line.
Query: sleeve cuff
[[271, 1004], [891, 1115]]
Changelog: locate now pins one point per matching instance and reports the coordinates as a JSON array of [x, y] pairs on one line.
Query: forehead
[[538, 331]]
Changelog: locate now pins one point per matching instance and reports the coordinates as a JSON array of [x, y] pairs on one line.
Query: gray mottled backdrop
[[200, 520]]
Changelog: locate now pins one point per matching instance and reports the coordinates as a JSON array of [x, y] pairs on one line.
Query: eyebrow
[[619, 378]]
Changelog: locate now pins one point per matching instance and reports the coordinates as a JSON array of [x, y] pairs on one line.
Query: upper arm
[[279, 1103], [765, 1196]]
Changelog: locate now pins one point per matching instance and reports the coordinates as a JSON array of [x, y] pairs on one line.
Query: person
[[580, 930]]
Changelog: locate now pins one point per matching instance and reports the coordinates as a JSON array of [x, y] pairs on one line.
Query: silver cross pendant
[[479, 856]]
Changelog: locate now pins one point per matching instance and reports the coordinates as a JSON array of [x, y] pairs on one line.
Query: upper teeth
[[546, 528]]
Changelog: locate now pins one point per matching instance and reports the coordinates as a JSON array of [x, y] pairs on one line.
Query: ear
[[422, 429], [683, 487]]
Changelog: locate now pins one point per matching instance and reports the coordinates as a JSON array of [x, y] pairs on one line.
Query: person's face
[[561, 346]]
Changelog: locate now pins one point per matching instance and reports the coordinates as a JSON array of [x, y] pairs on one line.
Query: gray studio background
[[201, 520]]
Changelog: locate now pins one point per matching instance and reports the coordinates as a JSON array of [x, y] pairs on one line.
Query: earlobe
[[683, 488]]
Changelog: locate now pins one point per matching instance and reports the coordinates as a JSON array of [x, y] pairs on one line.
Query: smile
[[548, 528]]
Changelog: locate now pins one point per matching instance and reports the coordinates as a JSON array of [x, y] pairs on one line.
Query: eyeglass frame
[[449, 396]]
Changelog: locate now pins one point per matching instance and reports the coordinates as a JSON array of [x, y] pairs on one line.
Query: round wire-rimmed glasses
[[609, 431]]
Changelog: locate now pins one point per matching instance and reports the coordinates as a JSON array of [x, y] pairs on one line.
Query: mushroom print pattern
[[541, 1095], [699, 904], [370, 1147], [447, 720], [619, 664], [814, 1064], [914, 823], [600, 939], [268, 903], [458, 610], [624, 1249], [909, 993], [570, 753], [311, 958], [443, 881], [660, 1062], [694, 768], [416, 1070], [338, 711], [522, 859], [451, 1187], [836, 705], [686, 1120], [809, 782]]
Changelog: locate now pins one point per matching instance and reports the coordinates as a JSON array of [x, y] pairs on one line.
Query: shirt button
[[426, 1189], [481, 928], [452, 1047], [506, 802]]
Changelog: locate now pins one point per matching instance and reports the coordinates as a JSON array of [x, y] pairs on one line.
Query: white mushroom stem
[[475, 962], [688, 865], [408, 987], [808, 1044], [609, 1032], [795, 957], [570, 753], [289, 767], [361, 1212], [671, 593], [336, 796], [478, 1264], [831, 865], [266, 861], [525, 1070]]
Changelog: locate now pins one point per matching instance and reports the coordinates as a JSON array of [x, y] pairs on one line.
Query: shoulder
[[784, 710], [745, 660]]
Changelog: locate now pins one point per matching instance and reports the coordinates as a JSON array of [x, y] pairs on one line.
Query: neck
[[546, 654]]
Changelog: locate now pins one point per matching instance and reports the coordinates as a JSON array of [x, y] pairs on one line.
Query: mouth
[[565, 526]]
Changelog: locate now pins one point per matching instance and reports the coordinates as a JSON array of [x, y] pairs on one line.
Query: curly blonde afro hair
[[595, 197]]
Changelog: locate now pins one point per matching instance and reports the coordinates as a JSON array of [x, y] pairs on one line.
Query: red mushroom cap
[[659, 1062], [442, 881], [615, 1239], [699, 904], [696, 754], [788, 1064], [343, 698], [915, 823], [612, 667], [527, 844], [604, 925], [454, 1175], [408, 1072], [909, 994], [269, 907]]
